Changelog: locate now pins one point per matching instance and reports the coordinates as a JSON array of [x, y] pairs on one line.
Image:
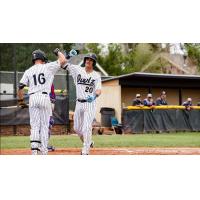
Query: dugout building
[[118, 92]]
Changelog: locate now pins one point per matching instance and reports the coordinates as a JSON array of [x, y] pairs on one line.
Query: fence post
[[15, 80], [67, 101]]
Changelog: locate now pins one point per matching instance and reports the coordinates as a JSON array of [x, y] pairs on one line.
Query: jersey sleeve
[[53, 67], [98, 85], [73, 69], [24, 80]]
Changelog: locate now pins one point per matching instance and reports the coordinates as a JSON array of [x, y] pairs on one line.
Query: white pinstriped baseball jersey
[[86, 83], [39, 78]]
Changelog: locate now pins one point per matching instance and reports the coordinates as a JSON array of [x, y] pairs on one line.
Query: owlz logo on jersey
[[85, 81]]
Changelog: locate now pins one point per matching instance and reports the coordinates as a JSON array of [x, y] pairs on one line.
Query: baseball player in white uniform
[[88, 88], [39, 78]]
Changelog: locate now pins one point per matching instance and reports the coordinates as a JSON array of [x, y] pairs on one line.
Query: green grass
[[136, 140]]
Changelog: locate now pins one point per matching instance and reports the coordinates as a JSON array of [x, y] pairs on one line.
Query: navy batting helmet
[[39, 55], [91, 56]]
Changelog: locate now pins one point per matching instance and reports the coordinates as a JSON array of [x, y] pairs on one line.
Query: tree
[[113, 62], [122, 58], [138, 57], [92, 47], [194, 52], [6, 57], [23, 54]]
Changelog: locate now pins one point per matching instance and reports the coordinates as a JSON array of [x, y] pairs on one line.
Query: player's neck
[[39, 62], [89, 69]]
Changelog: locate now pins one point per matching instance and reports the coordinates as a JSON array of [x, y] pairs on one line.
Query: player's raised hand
[[55, 51], [72, 53], [61, 56]]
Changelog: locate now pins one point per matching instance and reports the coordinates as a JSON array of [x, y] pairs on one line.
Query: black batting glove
[[22, 104], [55, 51]]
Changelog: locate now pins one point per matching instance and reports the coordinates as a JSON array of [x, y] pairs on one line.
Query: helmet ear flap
[[94, 63], [84, 61]]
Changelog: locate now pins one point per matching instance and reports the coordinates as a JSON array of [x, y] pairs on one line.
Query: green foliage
[[154, 69], [23, 54], [112, 61], [142, 54], [92, 47], [138, 57], [159, 66], [6, 57], [194, 52], [116, 61]]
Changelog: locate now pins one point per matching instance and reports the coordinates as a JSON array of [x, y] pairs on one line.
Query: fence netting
[[169, 120]]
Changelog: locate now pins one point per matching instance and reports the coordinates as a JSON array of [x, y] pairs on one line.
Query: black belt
[[82, 100], [35, 92]]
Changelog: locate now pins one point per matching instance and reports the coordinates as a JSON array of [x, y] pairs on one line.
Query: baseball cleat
[[92, 144], [51, 148], [83, 154]]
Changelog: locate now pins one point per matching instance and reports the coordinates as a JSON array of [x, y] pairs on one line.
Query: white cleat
[[84, 154]]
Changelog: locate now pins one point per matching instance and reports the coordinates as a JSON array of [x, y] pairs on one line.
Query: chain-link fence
[[7, 86], [13, 115]]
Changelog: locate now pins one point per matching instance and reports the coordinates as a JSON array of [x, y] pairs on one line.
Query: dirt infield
[[113, 151]]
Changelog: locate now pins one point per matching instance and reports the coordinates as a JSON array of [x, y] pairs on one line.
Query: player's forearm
[[62, 59], [20, 94]]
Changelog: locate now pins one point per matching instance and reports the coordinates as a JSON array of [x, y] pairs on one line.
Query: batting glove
[[91, 98], [22, 104], [55, 51], [73, 52]]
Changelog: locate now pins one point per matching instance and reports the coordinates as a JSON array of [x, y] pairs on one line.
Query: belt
[[82, 100], [36, 92]]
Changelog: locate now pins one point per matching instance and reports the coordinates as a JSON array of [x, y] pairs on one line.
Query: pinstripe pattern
[[49, 70], [86, 84], [39, 78], [82, 79]]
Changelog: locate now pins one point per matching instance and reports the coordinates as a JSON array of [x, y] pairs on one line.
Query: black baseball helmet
[[91, 56], [39, 55]]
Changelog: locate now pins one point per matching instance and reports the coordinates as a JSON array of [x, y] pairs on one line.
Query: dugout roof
[[139, 79]]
